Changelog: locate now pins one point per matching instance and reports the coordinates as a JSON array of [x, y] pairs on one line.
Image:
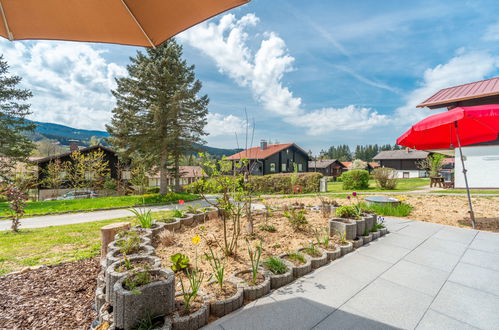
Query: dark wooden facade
[[327, 167]]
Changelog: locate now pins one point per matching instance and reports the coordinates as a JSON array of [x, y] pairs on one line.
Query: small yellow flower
[[196, 240]]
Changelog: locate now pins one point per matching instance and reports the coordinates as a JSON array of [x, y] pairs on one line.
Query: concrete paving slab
[[481, 258], [461, 235], [488, 242], [391, 304], [349, 318], [433, 258], [418, 229], [384, 252], [444, 245], [475, 307], [361, 267], [417, 277], [400, 240], [476, 277], [434, 320]]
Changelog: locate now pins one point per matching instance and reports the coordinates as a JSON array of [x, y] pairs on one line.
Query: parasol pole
[[472, 214]]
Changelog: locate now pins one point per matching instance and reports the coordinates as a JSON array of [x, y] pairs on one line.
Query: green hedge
[[355, 179], [281, 183]]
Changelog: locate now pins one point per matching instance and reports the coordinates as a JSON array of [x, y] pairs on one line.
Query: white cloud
[[491, 33], [461, 69], [263, 71], [71, 82], [224, 125]]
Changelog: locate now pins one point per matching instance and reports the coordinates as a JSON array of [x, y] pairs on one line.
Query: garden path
[[420, 276]]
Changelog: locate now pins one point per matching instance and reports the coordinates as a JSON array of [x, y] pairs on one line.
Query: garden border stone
[[345, 249], [279, 280], [146, 250], [316, 262], [358, 242], [299, 271], [376, 234], [333, 254], [370, 220], [341, 225], [211, 213], [192, 321], [112, 276], [198, 217], [383, 231], [361, 226], [130, 307], [253, 292], [100, 296], [187, 221], [174, 225], [223, 307], [367, 239]]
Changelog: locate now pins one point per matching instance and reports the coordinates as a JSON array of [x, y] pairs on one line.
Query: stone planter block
[[252, 292], [278, 280], [367, 239], [108, 232], [112, 275], [100, 296], [361, 227], [223, 307], [383, 231], [147, 233], [317, 261], [357, 243], [113, 256], [113, 247], [345, 249], [212, 213], [172, 226], [340, 225], [198, 217], [187, 221], [192, 321], [370, 220], [333, 254], [155, 299], [156, 229], [376, 234], [101, 277], [299, 271]]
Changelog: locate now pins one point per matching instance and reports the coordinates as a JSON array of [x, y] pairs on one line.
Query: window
[[272, 167], [405, 175], [283, 167], [300, 167]]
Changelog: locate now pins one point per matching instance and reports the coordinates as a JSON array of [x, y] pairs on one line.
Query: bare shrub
[[386, 178], [167, 238]]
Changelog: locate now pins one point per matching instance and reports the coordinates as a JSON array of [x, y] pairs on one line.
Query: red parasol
[[455, 128]]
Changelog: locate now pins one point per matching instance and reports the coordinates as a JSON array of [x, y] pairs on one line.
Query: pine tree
[[15, 146], [158, 112]]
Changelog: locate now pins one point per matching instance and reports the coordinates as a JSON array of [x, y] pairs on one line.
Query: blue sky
[[317, 73]]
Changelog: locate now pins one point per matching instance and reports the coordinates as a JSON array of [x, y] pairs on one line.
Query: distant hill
[[64, 134]]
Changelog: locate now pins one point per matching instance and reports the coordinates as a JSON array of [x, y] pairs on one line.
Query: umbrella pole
[[472, 214]]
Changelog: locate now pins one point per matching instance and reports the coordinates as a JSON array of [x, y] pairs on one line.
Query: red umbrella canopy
[[474, 125]]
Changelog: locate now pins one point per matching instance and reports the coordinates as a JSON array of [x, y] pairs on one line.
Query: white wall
[[412, 174], [482, 164]]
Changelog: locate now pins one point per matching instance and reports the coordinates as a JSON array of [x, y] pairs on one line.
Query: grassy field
[[97, 203], [402, 185], [52, 245]]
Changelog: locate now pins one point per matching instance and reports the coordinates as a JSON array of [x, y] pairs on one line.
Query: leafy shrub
[[296, 218], [275, 265], [152, 190], [144, 217], [385, 177], [269, 228], [282, 183], [347, 212], [179, 262], [355, 179]]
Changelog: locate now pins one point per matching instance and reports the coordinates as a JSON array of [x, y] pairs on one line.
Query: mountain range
[[64, 134]]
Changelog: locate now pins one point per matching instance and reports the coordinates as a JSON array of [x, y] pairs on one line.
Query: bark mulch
[[52, 297]]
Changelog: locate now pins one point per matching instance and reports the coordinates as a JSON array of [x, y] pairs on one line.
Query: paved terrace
[[420, 276]]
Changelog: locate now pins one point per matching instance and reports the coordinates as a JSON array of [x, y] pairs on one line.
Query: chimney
[[263, 144], [73, 146]]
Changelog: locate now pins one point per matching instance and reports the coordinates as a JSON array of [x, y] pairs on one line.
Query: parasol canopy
[[128, 22], [475, 124]]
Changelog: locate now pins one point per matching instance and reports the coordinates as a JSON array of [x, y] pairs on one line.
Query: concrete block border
[[358, 242], [316, 262], [299, 271], [252, 292], [223, 307], [343, 226], [347, 248], [278, 280], [192, 321], [333, 254]]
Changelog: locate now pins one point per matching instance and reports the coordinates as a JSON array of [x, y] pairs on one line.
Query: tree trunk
[[177, 175], [163, 174]]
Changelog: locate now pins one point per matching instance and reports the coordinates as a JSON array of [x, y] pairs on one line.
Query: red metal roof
[[258, 153], [464, 92]]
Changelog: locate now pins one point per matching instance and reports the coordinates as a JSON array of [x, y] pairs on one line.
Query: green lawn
[[402, 185], [52, 245], [74, 205]]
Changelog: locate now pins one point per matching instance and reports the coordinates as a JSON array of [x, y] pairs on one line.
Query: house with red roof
[[273, 158]]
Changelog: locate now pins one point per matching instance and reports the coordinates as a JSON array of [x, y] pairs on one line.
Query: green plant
[[347, 212], [254, 255], [296, 256], [400, 210], [193, 209], [149, 323], [343, 237], [296, 218], [217, 266], [129, 243], [355, 179], [195, 279], [179, 262], [312, 251], [269, 228], [178, 214], [137, 279], [167, 220], [366, 232], [322, 237], [144, 217], [275, 265]]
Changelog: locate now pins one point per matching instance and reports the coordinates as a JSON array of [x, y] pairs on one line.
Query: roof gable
[[258, 153], [401, 154]]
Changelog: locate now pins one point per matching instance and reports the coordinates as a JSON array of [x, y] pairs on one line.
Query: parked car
[[76, 194]]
